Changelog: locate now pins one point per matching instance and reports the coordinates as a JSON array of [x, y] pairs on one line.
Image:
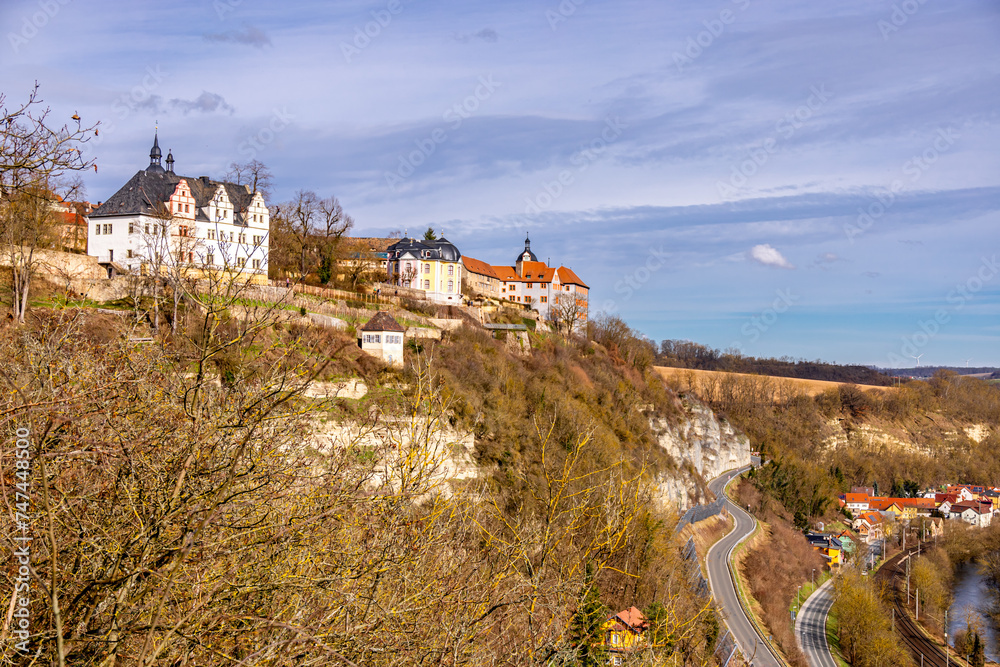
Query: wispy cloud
[[249, 36], [486, 34], [205, 103], [768, 256]]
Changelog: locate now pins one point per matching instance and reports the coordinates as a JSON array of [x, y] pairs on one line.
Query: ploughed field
[[703, 380]]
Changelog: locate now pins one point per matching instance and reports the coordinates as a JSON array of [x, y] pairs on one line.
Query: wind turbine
[[918, 358], [967, 362]]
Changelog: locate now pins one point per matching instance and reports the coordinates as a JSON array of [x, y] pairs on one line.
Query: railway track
[[923, 650]]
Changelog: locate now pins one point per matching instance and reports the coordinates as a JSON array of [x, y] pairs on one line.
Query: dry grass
[[774, 571], [706, 533], [698, 380]]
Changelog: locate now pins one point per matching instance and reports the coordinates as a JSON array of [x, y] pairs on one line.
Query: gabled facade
[[963, 491], [624, 632], [974, 513], [871, 526], [433, 267], [159, 218]]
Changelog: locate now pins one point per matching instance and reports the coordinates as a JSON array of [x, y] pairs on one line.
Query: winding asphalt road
[[720, 580], [810, 627]]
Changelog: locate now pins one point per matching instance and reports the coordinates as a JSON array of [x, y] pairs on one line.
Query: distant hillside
[[984, 372], [685, 354]]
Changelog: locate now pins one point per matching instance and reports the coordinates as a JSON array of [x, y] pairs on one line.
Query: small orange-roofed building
[[624, 632]]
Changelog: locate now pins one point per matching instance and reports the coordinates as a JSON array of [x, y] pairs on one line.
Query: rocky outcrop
[[703, 447]]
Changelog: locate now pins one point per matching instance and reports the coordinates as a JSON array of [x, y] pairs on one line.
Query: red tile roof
[[507, 274], [882, 504], [631, 618], [567, 277], [978, 507], [478, 266], [856, 498]]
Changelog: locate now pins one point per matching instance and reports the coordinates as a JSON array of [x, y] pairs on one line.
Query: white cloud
[[769, 256]]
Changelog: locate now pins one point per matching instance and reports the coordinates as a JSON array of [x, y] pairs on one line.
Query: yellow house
[[828, 545], [433, 267], [624, 632], [887, 505]]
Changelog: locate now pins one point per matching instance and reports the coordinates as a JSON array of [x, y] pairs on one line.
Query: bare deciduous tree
[[34, 156]]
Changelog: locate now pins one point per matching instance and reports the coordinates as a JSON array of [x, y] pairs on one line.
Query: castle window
[[451, 269], [211, 235], [545, 299], [427, 268], [451, 285], [427, 284]]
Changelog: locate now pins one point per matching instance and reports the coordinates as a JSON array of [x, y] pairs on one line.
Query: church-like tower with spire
[[530, 283], [160, 218]]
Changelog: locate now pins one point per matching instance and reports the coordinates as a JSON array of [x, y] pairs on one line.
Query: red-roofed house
[[624, 632], [856, 502], [975, 513], [964, 491], [885, 505], [870, 526]]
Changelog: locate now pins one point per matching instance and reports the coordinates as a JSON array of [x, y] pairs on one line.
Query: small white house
[[382, 336]]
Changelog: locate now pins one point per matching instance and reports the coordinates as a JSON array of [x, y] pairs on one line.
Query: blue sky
[[790, 178]]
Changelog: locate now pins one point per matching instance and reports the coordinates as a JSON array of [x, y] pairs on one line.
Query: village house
[[624, 632], [159, 218], [383, 337], [828, 545], [73, 224], [974, 513], [856, 502], [963, 491], [870, 526]]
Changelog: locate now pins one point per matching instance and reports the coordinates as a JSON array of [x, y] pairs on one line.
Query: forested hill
[[985, 372], [685, 354]]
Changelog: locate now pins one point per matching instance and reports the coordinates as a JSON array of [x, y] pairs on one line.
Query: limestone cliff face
[[703, 446]]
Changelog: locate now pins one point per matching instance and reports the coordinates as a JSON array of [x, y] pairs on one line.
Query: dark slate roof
[[441, 249], [139, 194], [382, 321], [527, 250], [151, 185]]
